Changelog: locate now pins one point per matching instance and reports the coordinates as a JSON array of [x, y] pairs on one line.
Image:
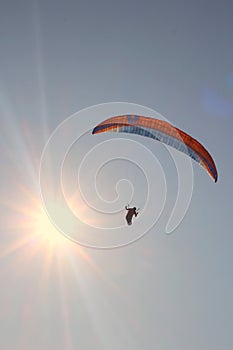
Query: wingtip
[[215, 178]]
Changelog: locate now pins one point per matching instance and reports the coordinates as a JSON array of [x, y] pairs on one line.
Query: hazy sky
[[164, 292]]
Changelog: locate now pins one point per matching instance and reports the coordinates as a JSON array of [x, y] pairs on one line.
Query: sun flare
[[33, 228], [33, 237], [44, 229]]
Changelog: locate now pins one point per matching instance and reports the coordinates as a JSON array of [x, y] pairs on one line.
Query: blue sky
[[163, 291]]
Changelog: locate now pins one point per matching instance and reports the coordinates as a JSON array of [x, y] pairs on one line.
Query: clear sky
[[163, 291]]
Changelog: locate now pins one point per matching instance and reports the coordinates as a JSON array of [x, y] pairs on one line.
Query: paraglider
[[164, 132], [130, 213]]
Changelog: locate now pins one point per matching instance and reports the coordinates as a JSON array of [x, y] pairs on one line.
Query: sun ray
[[41, 77], [65, 311]]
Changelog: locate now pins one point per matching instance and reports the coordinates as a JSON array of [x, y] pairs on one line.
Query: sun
[[33, 237], [33, 230], [44, 229]]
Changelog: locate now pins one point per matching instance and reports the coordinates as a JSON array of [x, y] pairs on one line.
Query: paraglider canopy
[[164, 132]]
